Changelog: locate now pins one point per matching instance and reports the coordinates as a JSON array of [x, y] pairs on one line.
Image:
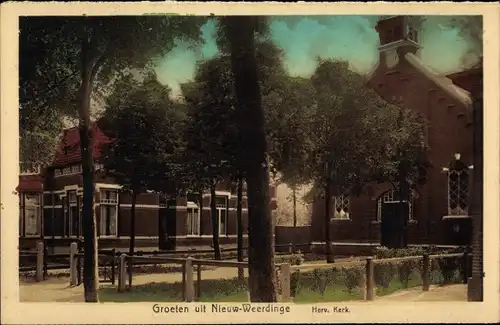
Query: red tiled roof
[[68, 150], [30, 183]]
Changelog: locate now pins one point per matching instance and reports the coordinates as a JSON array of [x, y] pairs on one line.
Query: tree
[[213, 93], [289, 109], [95, 50], [352, 136], [43, 88], [145, 128], [240, 32], [211, 135]]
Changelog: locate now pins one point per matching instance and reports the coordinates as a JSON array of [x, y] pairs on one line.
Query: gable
[[68, 150]]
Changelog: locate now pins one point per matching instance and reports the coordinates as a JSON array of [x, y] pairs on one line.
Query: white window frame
[[74, 169], [220, 208], [37, 207], [458, 211], [389, 197], [104, 203], [193, 227], [69, 216], [341, 201]]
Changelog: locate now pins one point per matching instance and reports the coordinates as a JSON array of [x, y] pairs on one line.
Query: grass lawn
[[233, 290]]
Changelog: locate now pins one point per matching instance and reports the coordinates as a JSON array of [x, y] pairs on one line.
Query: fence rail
[[192, 290]]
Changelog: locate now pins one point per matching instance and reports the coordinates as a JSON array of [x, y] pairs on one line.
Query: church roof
[[443, 82]]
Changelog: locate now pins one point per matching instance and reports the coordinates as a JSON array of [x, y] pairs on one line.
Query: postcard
[[189, 162]]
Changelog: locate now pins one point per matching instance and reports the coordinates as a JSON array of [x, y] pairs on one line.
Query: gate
[[393, 226], [108, 265]]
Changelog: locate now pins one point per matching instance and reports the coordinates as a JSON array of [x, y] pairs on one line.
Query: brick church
[[437, 210]]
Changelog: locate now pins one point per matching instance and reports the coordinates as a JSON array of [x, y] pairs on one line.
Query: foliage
[[358, 135], [54, 52], [446, 270], [211, 133], [443, 270], [384, 252], [144, 126], [319, 280], [293, 259]]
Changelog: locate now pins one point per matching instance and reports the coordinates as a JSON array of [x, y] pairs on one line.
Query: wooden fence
[[191, 290], [369, 263]]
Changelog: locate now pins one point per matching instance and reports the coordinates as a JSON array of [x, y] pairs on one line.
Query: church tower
[[398, 36]]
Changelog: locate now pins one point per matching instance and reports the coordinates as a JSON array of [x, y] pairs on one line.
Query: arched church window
[[392, 196], [458, 187]]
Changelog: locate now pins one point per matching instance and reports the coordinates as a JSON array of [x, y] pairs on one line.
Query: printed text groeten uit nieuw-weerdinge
[[245, 308]]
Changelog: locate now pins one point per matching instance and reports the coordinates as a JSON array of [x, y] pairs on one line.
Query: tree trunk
[[215, 223], [262, 275], [328, 214], [239, 219], [161, 224], [201, 212], [403, 199], [90, 261], [294, 197], [132, 237], [475, 285]]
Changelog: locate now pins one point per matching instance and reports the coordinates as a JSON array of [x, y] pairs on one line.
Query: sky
[[304, 38]]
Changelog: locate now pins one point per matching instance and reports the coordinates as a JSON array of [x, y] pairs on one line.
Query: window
[[68, 170], [221, 205], [458, 188], [109, 212], [29, 224], [341, 207], [392, 196], [73, 214], [193, 219]]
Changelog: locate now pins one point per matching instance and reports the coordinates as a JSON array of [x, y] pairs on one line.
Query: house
[[51, 206], [437, 210]]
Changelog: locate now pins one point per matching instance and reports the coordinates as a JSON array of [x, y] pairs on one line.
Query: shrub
[[318, 280], [384, 252], [293, 259], [353, 277], [443, 270], [384, 273]]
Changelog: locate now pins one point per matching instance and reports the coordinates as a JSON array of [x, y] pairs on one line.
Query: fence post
[[113, 266], [45, 268], [123, 273], [79, 267], [241, 273], [189, 288], [183, 281], [290, 248], [369, 278], [285, 278], [465, 266], [73, 250], [426, 272], [39, 261], [198, 282]]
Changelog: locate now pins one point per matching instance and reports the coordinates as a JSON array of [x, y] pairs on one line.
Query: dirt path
[[455, 292]]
